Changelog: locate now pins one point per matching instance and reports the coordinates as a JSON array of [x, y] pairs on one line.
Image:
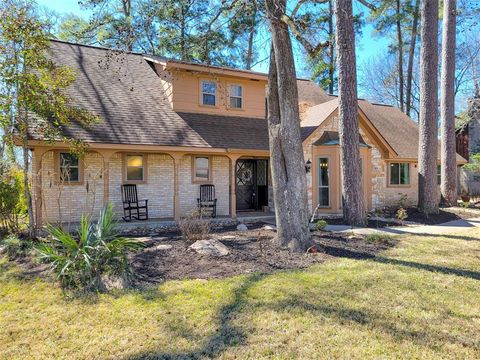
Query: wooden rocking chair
[[207, 200], [132, 207]]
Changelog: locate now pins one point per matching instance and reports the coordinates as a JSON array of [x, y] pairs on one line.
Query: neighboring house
[[170, 126], [468, 143]]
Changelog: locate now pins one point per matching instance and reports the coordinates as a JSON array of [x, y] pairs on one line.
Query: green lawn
[[420, 299]]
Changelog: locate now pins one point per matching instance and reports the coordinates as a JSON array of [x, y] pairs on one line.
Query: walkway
[[445, 228]]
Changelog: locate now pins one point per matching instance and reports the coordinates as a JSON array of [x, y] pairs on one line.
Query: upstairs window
[[135, 168], [236, 96], [209, 92], [69, 167], [439, 174], [399, 174]]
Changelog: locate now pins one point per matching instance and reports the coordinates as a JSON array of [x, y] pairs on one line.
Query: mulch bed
[[250, 251], [375, 224], [445, 215], [416, 216]]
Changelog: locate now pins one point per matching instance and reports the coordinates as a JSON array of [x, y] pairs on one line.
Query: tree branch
[[368, 5]]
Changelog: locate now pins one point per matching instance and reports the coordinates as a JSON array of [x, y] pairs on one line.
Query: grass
[[417, 300]]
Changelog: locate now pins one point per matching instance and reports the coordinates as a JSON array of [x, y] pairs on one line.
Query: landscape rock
[[242, 227], [270, 227], [210, 248], [161, 247]]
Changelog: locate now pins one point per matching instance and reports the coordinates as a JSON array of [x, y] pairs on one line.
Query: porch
[[169, 180]]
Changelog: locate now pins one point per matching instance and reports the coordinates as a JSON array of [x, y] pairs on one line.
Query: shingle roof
[[124, 90], [400, 131]]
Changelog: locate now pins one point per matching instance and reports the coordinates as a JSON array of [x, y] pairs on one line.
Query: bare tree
[[354, 208], [447, 110], [287, 162], [428, 127]]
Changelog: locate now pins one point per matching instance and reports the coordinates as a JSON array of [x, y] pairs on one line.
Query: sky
[[368, 45]]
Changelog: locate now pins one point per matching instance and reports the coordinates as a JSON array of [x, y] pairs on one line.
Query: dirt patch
[[250, 251]]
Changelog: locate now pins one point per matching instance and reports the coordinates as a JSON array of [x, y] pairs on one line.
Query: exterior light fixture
[[308, 166]]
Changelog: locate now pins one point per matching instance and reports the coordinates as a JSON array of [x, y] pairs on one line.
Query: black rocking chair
[[207, 200], [132, 207]]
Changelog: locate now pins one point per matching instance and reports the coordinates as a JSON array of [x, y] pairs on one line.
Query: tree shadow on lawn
[[227, 334], [345, 315], [447, 236], [345, 253]]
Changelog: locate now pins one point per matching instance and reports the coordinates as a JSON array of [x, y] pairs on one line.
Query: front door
[[245, 185]]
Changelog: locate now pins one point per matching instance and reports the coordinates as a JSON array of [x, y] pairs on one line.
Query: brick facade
[[66, 203]]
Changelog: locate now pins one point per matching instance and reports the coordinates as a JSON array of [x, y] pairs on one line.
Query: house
[[169, 126], [468, 143]]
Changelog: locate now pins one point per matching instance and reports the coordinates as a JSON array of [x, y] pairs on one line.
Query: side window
[[209, 92], [439, 174], [69, 167], [323, 183], [399, 174]]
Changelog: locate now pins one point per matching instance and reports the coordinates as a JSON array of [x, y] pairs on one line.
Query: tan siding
[[186, 95]]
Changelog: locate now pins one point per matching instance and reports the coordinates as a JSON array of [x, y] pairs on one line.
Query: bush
[[16, 248], [83, 261], [13, 206], [401, 214], [320, 225], [379, 238], [194, 226]]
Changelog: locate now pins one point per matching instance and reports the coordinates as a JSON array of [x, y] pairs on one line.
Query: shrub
[[401, 214], [16, 248], [379, 238], [13, 206], [194, 226], [320, 225], [82, 261]]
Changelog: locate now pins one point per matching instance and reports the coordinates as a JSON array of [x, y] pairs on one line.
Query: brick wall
[[189, 191], [68, 202], [382, 195]]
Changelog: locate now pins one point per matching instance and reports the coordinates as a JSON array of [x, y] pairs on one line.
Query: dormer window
[[236, 96], [209, 92]]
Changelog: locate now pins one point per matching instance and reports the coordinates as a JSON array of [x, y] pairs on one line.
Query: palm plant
[[80, 260]]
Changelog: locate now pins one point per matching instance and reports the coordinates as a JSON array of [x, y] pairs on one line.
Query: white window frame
[[230, 96], [202, 81]]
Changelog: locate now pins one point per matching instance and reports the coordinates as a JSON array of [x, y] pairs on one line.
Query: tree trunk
[[331, 49], [287, 162], [32, 233], [411, 58], [428, 127], [400, 56], [353, 203], [447, 110], [251, 35]]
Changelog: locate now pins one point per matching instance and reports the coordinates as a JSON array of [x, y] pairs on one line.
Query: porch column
[[107, 155], [37, 183], [233, 190], [177, 157]]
